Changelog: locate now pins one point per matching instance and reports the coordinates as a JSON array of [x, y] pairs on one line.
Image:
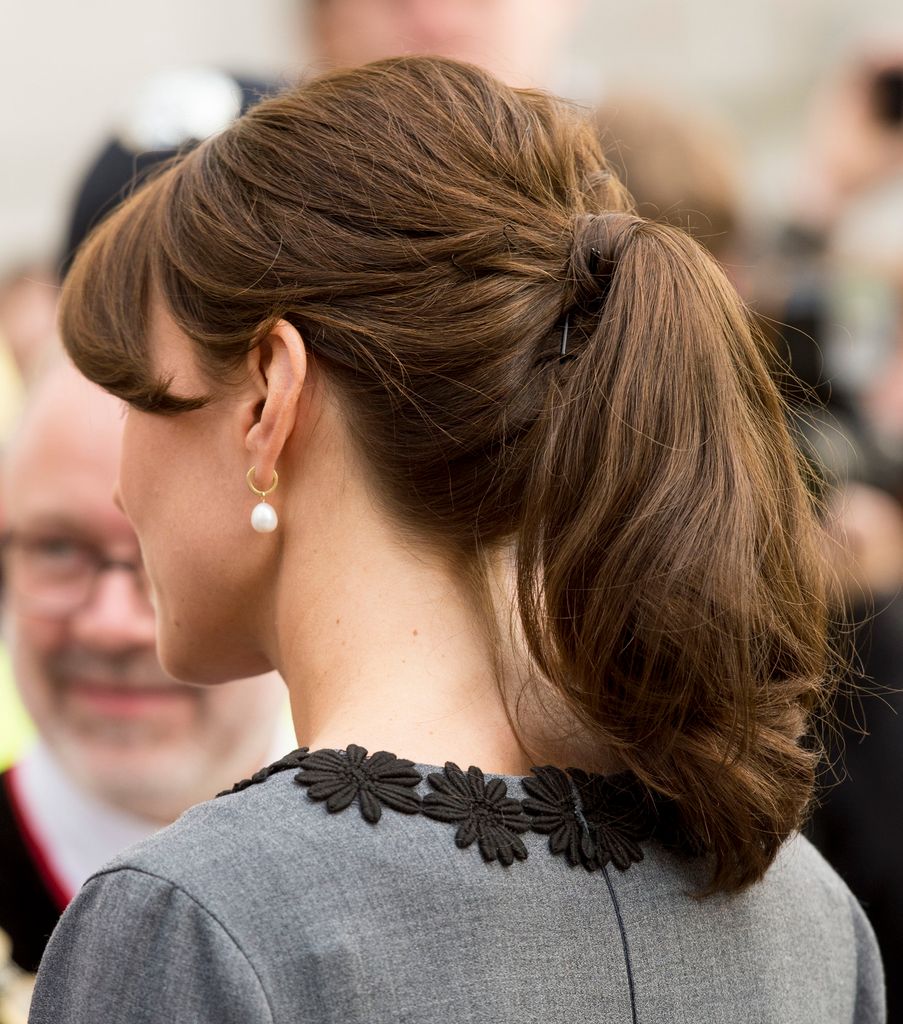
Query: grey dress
[[281, 902]]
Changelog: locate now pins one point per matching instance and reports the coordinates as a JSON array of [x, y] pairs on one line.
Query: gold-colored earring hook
[[256, 490]]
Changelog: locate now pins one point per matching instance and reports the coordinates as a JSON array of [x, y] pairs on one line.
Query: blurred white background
[[67, 71]]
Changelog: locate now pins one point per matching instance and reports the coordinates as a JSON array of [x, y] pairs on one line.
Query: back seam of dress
[[625, 945]]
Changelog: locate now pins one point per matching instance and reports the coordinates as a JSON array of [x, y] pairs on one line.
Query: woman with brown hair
[[491, 469]]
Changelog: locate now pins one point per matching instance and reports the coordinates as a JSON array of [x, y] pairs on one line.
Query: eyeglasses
[[52, 576]]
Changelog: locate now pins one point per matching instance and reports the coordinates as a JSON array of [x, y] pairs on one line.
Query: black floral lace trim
[[382, 778], [619, 817], [555, 813], [482, 810], [592, 820], [284, 764]]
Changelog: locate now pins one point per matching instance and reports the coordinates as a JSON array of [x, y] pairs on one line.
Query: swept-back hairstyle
[[426, 229]]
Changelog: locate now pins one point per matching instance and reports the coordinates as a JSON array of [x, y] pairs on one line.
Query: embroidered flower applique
[[381, 778], [284, 764], [553, 812], [618, 814], [483, 810], [593, 820]]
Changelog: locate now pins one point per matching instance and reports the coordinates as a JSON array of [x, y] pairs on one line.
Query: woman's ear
[[277, 367]]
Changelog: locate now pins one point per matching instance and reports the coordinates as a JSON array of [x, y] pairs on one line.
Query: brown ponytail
[[670, 577], [427, 229]]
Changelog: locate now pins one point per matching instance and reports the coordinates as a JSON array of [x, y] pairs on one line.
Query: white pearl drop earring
[[263, 517]]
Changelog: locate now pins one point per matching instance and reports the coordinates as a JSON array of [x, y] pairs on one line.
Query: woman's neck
[[383, 643], [383, 647]]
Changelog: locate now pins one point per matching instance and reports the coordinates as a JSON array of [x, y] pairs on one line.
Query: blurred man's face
[[515, 39], [82, 641]]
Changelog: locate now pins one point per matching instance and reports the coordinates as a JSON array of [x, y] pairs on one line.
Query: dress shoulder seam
[[120, 869]]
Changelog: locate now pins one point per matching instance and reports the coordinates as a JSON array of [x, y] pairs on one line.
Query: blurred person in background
[[27, 329], [852, 146], [881, 396], [859, 823], [853, 142], [122, 749], [171, 111], [679, 170], [518, 40], [850, 416]]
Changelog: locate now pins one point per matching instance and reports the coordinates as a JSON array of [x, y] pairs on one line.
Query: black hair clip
[[593, 262], [563, 354]]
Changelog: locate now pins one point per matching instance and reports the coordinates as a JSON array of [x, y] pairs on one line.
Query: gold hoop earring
[[263, 517]]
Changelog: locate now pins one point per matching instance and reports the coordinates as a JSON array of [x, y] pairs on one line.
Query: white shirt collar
[[76, 832]]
